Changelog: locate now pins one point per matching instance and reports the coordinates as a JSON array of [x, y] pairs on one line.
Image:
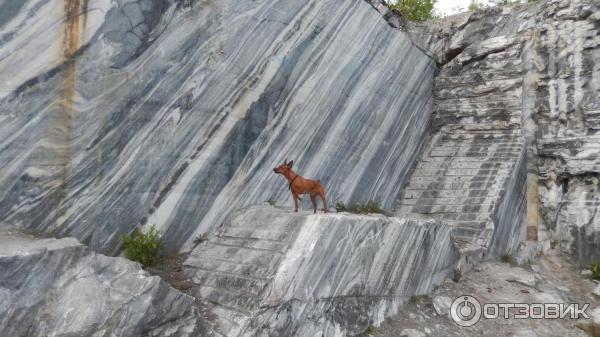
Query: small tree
[[415, 10]]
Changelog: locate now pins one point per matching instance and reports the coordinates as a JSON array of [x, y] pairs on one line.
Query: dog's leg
[[313, 198], [295, 202], [322, 195]]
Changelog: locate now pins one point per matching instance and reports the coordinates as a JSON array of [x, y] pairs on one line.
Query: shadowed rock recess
[[471, 132]]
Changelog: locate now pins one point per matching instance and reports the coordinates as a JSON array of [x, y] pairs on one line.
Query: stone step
[[507, 143], [464, 242], [276, 234], [230, 322], [480, 142], [481, 139], [252, 243], [476, 225], [577, 166], [494, 113], [280, 224], [474, 78], [464, 165], [239, 301], [447, 201], [465, 134], [460, 172], [466, 159], [566, 145], [456, 193], [235, 254], [471, 152], [484, 90], [582, 204], [474, 81], [482, 110], [495, 63], [440, 178], [468, 224], [476, 92], [464, 217], [463, 103], [224, 280], [437, 209], [562, 140], [467, 104], [475, 145], [466, 186], [220, 265], [471, 155], [466, 232]]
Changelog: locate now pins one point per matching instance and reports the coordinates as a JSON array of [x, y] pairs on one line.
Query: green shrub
[[371, 330], [473, 6], [595, 268], [201, 238], [143, 248], [415, 10], [369, 207], [414, 299], [341, 207]]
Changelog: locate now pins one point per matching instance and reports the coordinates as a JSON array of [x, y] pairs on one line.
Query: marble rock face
[[51, 287], [122, 113], [274, 272], [532, 69]]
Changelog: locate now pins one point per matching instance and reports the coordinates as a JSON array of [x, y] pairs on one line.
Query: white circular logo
[[465, 310]]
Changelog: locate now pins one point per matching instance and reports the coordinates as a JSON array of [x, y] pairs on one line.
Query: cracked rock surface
[[557, 280], [531, 70], [58, 287]]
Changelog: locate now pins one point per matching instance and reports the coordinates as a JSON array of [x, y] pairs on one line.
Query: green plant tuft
[[369, 207], [414, 299], [201, 238], [595, 269], [371, 330], [473, 6], [415, 10], [143, 248], [341, 207]]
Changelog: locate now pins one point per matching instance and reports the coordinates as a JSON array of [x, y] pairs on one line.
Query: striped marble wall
[[147, 112]]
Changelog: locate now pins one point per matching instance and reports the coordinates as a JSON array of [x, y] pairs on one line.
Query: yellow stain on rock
[[533, 207], [75, 12]]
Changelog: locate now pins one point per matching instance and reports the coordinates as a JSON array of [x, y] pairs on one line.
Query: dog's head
[[284, 168]]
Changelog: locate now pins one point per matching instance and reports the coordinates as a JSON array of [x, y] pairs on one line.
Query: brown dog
[[299, 185]]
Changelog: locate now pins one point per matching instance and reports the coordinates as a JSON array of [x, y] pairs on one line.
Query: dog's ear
[[290, 164], [285, 162]]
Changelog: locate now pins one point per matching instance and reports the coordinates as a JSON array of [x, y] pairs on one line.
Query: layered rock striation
[[175, 113], [274, 272], [528, 71], [58, 287]]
